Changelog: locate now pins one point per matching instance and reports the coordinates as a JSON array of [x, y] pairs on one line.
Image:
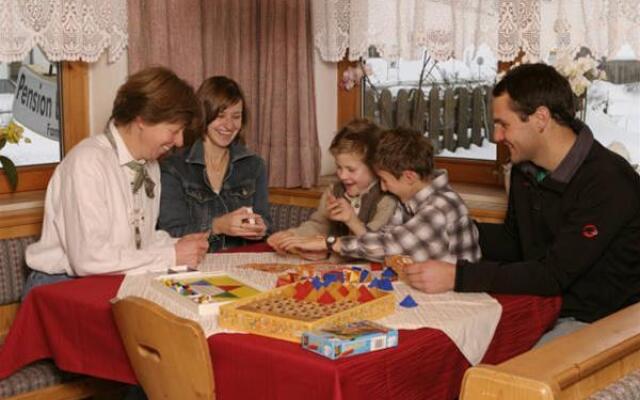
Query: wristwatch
[[330, 241]]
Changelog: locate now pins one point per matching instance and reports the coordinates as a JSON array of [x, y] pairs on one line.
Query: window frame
[[484, 172], [74, 123]]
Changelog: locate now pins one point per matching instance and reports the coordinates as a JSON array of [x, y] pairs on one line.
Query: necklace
[[216, 169]]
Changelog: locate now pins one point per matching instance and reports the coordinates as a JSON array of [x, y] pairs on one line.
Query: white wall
[[326, 83], [105, 78]]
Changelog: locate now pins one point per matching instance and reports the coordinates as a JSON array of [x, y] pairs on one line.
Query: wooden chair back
[[169, 355]]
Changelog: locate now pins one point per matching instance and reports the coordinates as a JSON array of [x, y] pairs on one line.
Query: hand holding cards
[[242, 222], [249, 220]]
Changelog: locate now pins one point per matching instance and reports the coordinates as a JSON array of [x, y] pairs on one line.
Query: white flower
[[579, 71]]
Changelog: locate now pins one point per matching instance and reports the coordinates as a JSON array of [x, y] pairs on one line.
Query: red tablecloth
[[72, 323]]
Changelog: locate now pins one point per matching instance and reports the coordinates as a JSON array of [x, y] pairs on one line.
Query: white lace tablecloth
[[468, 319]]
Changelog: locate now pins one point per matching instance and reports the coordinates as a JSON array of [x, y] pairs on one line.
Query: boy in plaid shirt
[[431, 222]]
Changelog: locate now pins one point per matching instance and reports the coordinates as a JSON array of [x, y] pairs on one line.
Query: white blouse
[[91, 212]]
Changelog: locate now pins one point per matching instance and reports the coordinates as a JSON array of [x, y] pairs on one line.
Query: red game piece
[[303, 290], [326, 298], [365, 294]]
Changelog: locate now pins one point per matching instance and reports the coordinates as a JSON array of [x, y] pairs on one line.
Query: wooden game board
[[277, 314]]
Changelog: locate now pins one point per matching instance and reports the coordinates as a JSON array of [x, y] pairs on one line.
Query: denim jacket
[[188, 204]]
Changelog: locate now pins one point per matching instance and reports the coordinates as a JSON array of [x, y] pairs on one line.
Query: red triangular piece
[[302, 290], [365, 295], [326, 298]]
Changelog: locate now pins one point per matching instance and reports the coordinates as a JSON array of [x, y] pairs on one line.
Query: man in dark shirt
[[573, 222]]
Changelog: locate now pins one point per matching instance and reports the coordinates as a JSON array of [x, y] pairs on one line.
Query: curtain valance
[[64, 29], [446, 28]]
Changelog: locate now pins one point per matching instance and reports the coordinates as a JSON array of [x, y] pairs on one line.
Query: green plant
[[12, 133]]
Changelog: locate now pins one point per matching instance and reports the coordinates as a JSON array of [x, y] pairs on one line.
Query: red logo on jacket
[[589, 231]]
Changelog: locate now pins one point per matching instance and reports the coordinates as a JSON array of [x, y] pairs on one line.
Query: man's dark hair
[[533, 85], [403, 149]]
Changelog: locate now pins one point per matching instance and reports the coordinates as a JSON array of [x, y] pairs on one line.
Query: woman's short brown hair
[[156, 95], [404, 149], [218, 93], [360, 136]]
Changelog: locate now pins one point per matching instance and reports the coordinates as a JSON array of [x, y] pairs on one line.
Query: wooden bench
[[570, 367], [42, 379]]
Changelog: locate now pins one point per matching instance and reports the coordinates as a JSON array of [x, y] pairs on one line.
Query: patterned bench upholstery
[[284, 216], [42, 374], [625, 388], [13, 269], [39, 375]]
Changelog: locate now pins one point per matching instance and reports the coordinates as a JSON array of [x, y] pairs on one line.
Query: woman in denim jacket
[[216, 184]]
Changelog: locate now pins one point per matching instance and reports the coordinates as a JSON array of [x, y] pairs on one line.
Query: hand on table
[[310, 248], [191, 249], [276, 240], [431, 276]]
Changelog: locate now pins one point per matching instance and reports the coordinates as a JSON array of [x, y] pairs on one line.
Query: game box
[[206, 291], [347, 340]]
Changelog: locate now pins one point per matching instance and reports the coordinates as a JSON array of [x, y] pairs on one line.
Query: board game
[[348, 340], [288, 311], [206, 291]]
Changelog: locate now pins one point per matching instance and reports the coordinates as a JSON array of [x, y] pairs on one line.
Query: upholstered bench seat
[[42, 379], [36, 376], [625, 388], [288, 216], [13, 270]]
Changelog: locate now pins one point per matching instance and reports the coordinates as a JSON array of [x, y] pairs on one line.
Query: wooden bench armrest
[[570, 367]]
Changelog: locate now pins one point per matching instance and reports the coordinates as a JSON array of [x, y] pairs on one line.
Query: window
[[455, 106], [613, 106], [452, 107], [73, 85], [29, 98]]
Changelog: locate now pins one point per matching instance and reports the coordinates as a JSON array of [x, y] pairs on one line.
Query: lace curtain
[[402, 28], [64, 29]]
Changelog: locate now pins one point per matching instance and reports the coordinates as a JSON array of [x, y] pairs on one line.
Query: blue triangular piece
[[363, 275], [389, 273], [316, 282], [408, 302], [385, 284], [374, 283], [330, 277]]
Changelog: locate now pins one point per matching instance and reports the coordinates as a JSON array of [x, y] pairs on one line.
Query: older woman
[[217, 184], [103, 200]]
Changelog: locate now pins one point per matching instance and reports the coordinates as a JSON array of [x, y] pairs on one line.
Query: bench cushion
[[625, 388], [38, 375], [287, 216], [13, 269]]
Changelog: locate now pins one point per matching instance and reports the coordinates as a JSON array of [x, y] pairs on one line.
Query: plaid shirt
[[433, 225]]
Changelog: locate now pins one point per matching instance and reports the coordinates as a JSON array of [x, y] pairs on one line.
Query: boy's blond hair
[[359, 136], [403, 149]]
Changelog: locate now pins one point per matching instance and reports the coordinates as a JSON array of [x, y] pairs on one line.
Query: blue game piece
[[330, 277], [363, 275], [374, 283], [385, 284], [316, 282], [408, 302], [356, 268], [389, 273]]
